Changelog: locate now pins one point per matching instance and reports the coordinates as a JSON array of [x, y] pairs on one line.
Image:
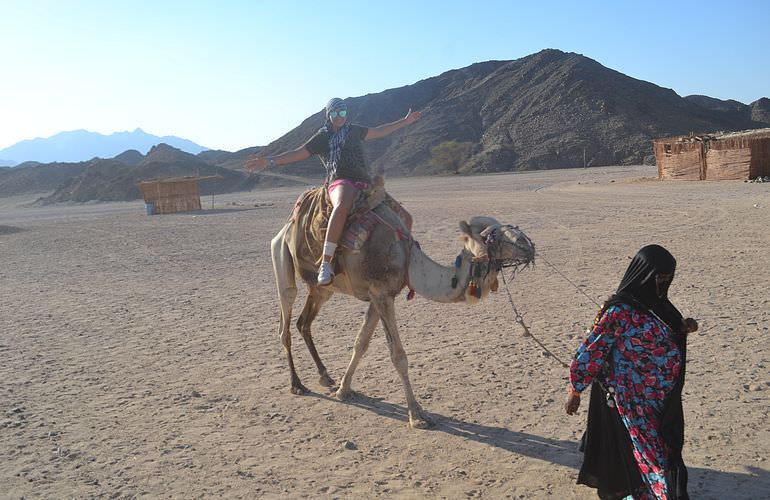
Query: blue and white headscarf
[[336, 139]]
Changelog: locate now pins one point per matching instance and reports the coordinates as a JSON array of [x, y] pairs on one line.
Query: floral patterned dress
[[632, 354]]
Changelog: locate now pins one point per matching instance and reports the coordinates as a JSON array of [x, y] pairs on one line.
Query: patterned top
[[351, 164], [632, 353]]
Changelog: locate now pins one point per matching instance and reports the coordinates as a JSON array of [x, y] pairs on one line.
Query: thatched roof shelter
[[172, 194], [736, 155]]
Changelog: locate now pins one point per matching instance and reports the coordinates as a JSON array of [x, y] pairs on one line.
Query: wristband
[[573, 392]]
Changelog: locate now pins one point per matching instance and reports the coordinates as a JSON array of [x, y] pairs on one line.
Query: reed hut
[[724, 156], [172, 194]]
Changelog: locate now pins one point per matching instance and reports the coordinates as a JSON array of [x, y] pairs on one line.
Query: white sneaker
[[325, 273]]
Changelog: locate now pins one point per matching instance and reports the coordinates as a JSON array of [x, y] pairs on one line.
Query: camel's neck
[[434, 281]]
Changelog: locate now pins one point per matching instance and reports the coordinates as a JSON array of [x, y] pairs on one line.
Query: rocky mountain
[[548, 110], [114, 180], [760, 110], [117, 179], [131, 157], [711, 103], [81, 145], [32, 177]]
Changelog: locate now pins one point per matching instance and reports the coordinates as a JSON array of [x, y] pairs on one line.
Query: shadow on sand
[[703, 483], [552, 450]]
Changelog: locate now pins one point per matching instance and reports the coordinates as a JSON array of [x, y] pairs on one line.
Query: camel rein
[[517, 316], [520, 319]]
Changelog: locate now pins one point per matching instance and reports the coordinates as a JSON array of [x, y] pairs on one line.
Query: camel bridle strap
[[481, 268]]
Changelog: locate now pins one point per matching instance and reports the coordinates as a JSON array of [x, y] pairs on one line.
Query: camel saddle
[[310, 217]]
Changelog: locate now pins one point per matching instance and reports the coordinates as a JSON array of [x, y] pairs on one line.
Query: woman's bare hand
[[573, 403], [689, 325]]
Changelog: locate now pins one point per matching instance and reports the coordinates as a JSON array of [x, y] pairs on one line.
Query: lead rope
[[569, 280], [700, 332], [520, 320]]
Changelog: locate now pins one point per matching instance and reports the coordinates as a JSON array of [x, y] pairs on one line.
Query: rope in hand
[[520, 320]]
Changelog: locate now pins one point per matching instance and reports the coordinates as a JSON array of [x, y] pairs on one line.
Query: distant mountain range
[[548, 110], [81, 145], [117, 179]]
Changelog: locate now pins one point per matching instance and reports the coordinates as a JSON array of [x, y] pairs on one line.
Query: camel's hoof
[[421, 422], [299, 389], [326, 380], [344, 395]]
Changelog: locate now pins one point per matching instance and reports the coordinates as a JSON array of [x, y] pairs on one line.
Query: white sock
[[329, 248]]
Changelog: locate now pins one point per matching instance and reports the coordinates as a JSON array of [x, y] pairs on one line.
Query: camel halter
[[494, 244]]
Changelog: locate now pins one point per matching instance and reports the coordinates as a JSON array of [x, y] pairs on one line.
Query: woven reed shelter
[[172, 194], [724, 156]]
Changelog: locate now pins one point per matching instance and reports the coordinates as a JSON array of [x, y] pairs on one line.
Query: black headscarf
[[639, 289]]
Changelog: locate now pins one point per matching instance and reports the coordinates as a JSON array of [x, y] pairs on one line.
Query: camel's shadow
[[703, 483], [552, 450]]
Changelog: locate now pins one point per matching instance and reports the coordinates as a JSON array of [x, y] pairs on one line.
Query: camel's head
[[505, 245], [493, 246]]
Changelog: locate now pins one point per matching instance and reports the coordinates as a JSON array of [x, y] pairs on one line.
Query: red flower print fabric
[[631, 352]]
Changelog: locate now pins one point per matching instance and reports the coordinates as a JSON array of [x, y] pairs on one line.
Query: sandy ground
[[139, 356]]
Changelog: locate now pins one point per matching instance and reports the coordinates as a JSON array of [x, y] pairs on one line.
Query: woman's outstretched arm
[[389, 128], [257, 163]]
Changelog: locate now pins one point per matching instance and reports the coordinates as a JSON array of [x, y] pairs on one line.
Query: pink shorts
[[360, 185]]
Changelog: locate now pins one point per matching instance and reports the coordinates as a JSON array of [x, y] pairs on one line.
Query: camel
[[380, 271]]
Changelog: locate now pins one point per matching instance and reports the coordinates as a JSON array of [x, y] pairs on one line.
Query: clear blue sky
[[234, 74]]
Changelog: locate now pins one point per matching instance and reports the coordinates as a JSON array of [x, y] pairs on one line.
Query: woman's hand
[[689, 325], [573, 402], [256, 163], [412, 116]]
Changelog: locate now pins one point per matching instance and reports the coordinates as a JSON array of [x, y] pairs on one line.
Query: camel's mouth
[[509, 247]]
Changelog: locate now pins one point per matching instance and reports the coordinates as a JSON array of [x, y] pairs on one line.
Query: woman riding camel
[[339, 145]]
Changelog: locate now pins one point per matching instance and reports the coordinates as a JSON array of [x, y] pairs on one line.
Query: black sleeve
[[318, 144]]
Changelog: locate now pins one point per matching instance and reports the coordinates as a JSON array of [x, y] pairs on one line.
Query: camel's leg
[[316, 298], [418, 419], [287, 293], [359, 349]]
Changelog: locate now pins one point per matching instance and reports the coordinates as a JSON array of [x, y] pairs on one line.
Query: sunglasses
[[341, 113]]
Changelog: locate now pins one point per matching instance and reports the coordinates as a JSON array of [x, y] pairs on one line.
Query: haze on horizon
[[242, 73]]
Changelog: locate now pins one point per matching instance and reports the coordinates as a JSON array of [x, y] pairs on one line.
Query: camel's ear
[[465, 228]]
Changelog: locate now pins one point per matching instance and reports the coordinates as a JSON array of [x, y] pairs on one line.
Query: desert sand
[[140, 358]]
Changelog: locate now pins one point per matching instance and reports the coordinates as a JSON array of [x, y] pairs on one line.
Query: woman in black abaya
[[634, 359]]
